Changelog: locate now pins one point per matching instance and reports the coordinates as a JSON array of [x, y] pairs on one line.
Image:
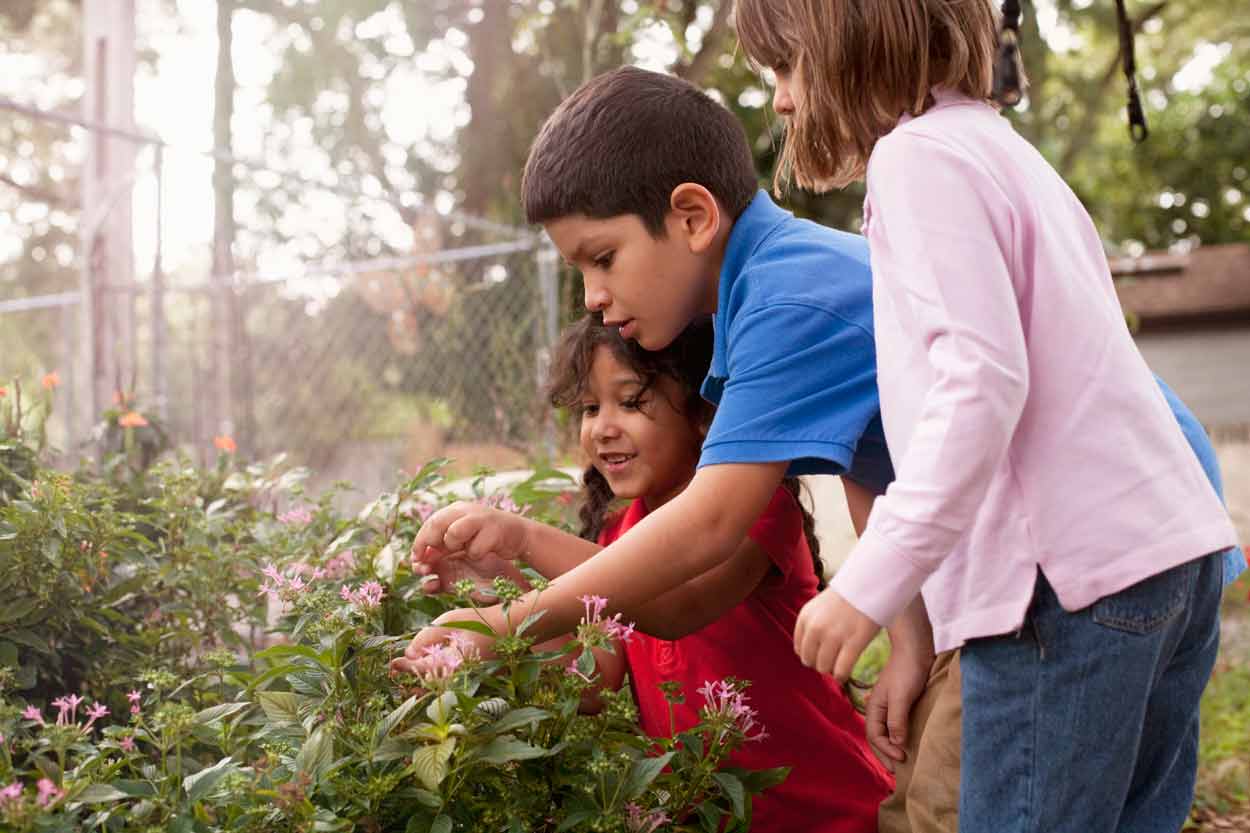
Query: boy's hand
[[416, 660], [831, 634], [467, 529]]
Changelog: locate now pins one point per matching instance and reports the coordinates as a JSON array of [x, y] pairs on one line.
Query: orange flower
[[225, 444], [132, 419], [4, 392], [52, 380]]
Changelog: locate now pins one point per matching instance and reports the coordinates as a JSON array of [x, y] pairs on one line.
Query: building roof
[[1210, 283]]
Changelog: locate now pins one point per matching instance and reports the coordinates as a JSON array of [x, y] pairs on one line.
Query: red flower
[[132, 419], [225, 444], [52, 380]]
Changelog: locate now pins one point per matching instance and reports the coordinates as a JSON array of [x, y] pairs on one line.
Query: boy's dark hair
[[624, 140], [686, 360]]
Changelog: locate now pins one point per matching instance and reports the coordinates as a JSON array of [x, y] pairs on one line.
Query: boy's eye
[[604, 261]]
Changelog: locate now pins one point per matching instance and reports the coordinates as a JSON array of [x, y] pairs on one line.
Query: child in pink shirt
[[1045, 499]]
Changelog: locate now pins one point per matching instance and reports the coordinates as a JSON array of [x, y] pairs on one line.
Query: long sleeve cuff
[[877, 579]]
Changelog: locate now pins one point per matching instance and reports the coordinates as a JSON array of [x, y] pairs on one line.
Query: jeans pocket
[[1150, 604]]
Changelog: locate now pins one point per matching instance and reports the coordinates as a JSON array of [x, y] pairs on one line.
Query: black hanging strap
[[1136, 116], [1007, 85]]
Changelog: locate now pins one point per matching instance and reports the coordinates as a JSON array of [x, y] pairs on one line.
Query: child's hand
[[482, 570], [901, 683], [418, 660], [469, 529], [831, 634]]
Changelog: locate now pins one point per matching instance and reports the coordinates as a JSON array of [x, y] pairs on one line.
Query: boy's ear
[[695, 214]]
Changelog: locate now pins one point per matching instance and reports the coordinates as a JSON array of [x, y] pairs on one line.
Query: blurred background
[[294, 226]]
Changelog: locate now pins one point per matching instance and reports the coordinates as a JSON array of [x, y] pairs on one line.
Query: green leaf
[[220, 712], [476, 627], [397, 715], [733, 788], [384, 563], [13, 611], [506, 748], [29, 639], [284, 651], [575, 818], [442, 824], [99, 794], [429, 763], [642, 773], [526, 716], [135, 789], [316, 753], [440, 708], [282, 706], [201, 783], [8, 654], [530, 620], [391, 749]]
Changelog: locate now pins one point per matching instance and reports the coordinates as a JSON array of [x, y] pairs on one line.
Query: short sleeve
[[801, 386]]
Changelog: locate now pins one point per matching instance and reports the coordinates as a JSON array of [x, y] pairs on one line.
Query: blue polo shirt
[[794, 366], [1234, 559]]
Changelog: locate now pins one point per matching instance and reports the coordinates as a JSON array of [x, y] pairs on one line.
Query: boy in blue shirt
[[648, 187]]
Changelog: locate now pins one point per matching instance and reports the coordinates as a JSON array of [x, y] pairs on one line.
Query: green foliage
[[1223, 768], [231, 640]]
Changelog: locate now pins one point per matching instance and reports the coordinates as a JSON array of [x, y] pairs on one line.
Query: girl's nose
[[783, 103], [605, 428]]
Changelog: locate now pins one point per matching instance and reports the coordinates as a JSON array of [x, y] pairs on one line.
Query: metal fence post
[[548, 328]]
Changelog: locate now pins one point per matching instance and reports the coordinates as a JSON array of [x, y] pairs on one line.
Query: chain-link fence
[[355, 367]]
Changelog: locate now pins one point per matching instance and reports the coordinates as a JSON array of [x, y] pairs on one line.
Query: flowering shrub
[[208, 650]]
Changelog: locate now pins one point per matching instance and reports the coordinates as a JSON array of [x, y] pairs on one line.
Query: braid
[[795, 487], [597, 497]]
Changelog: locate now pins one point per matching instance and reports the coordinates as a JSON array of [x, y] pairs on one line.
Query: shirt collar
[[944, 97]]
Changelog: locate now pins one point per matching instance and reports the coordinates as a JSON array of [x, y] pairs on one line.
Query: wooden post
[[107, 255]]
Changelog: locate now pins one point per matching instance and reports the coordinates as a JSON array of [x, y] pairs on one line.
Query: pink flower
[[728, 704], [573, 671], [439, 663], [11, 793], [367, 597], [67, 704], [297, 516], [424, 509], [134, 697], [32, 713], [504, 502], [613, 627], [341, 565], [128, 743], [48, 792], [271, 572], [636, 821], [94, 713]]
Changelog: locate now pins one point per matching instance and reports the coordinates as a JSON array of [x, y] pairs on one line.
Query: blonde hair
[[860, 65]]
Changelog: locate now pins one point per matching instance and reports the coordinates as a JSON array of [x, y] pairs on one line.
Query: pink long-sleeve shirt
[[1025, 429]]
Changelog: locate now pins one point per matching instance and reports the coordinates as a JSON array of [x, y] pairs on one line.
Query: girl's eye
[[604, 261], [588, 409], [634, 403]]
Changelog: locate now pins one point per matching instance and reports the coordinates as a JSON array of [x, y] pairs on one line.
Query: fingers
[[878, 738], [899, 708]]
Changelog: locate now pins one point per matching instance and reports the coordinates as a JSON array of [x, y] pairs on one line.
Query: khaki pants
[[926, 793]]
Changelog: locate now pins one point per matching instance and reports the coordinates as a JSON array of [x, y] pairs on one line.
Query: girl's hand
[[831, 634], [417, 659], [481, 570], [467, 529]]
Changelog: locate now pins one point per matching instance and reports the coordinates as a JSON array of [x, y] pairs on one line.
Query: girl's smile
[[635, 434]]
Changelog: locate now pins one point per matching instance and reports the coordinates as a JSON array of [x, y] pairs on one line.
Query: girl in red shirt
[[642, 425]]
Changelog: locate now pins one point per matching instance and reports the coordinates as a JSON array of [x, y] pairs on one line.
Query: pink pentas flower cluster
[[440, 662], [341, 565], [12, 792], [727, 704], [296, 516], [366, 597], [67, 712], [502, 501], [49, 793], [638, 820], [277, 586], [612, 627], [135, 697]]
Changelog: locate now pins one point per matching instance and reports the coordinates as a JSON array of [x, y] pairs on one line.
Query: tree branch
[[697, 67], [40, 194]]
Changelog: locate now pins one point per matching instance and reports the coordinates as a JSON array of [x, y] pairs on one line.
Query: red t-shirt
[[836, 784]]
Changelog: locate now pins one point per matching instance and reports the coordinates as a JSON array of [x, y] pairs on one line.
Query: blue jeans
[[1088, 721]]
